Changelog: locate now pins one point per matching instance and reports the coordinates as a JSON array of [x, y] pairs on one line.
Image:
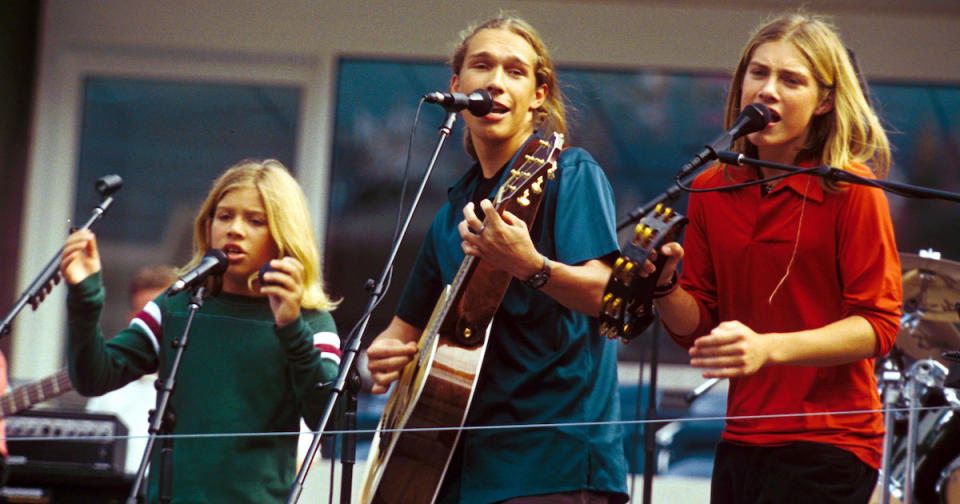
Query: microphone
[[263, 270], [753, 118], [214, 263], [109, 184], [479, 102]]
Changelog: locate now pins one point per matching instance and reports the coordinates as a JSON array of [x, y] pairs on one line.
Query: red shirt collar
[[797, 183]]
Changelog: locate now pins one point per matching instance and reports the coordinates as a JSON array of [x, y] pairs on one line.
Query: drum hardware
[[929, 337], [890, 380], [948, 484], [921, 388], [930, 374], [931, 306]]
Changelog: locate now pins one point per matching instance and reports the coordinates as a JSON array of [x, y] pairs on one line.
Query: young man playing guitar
[[545, 362]]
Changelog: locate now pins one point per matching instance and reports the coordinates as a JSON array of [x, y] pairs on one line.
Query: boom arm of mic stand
[[737, 159], [352, 346], [35, 292], [669, 196]]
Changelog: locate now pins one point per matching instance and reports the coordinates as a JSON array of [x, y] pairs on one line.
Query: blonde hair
[[287, 217], [851, 131], [552, 115]]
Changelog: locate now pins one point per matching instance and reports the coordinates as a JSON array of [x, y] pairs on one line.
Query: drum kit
[[920, 387]]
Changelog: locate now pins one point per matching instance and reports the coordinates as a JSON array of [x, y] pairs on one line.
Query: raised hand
[[283, 285], [80, 257]]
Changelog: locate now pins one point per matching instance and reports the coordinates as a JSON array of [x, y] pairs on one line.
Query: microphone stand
[[652, 411], [352, 347], [828, 172], [652, 414], [162, 421], [50, 275], [701, 389]]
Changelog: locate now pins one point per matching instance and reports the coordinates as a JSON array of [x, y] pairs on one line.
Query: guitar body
[[428, 406], [421, 423]]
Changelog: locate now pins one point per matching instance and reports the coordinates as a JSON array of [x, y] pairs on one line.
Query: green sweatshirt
[[242, 386]]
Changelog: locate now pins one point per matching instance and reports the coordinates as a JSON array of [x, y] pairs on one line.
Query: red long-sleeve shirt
[[737, 248]]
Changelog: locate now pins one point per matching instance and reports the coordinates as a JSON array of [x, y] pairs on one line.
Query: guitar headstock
[[537, 160], [627, 308]]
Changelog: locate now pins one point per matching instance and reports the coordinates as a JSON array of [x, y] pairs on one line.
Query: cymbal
[[931, 293]]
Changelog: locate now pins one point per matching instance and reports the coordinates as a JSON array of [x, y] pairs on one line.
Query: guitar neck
[[25, 396], [445, 303]]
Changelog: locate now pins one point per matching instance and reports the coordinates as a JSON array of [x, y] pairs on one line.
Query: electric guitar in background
[[25, 396]]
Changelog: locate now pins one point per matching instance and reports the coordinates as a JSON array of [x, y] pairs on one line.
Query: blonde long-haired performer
[[545, 362], [791, 289], [256, 350]]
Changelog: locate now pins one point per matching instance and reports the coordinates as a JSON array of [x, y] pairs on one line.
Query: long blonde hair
[[287, 216], [552, 115], [851, 131]]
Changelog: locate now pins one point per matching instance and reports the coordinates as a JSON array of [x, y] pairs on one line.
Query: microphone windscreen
[[108, 184], [481, 103], [759, 117], [221, 258]]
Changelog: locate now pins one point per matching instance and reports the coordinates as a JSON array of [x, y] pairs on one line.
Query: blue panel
[[169, 140]]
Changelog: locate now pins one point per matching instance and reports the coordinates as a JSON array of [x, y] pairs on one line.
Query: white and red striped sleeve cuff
[[149, 322], [329, 345]]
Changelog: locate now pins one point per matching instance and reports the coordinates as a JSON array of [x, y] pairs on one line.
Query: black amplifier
[[52, 440]]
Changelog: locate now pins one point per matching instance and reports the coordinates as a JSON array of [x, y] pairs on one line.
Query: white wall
[[298, 41]]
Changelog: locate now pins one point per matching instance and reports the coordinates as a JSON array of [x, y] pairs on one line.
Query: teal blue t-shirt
[[544, 364]]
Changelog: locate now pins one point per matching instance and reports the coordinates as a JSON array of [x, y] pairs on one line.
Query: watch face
[[539, 278]]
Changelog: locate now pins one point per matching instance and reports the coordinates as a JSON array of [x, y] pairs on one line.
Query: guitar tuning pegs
[[537, 185], [524, 199], [551, 172]]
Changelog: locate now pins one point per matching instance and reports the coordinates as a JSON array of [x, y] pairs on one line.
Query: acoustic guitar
[[428, 406]]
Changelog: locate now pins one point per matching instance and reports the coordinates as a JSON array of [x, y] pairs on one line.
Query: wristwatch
[[539, 279]]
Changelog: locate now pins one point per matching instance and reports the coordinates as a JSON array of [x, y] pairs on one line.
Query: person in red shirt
[[791, 288]]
